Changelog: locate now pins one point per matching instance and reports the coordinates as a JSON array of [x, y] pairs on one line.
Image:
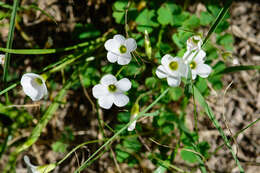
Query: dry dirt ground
[[235, 107]]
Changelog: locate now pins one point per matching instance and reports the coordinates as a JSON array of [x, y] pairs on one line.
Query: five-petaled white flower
[[119, 49], [34, 86], [195, 60], [172, 69], [194, 43], [2, 59], [110, 91]]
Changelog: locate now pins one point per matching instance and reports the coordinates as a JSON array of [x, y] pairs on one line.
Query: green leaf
[[180, 38], [226, 40], [213, 119], [175, 93], [123, 117], [206, 18], [166, 11], [189, 156], [119, 11], [151, 82], [145, 21], [192, 23], [86, 31], [179, 18], [9, 43], [132, 144], [219, 19], [59, 147], [167, 128], [237, 68], [202, 85]]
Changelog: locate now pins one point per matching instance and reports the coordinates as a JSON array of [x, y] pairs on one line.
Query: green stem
[[9, 44], [84, 165]]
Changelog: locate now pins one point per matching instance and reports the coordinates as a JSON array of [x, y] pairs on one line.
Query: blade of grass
[[238, 133], [238, 68], [212, 117], [85, 164], [52, 51], [219, 18], [39, 127], [9, 44]]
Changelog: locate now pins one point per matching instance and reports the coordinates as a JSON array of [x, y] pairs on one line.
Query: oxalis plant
[[145, 72]]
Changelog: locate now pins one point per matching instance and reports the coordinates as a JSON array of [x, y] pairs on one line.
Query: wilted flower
[[195, 60], [2, 59], [119, 49], [34, 86], [172, 69], [194, 43], [111, 91], [37, 169], [30, 167]]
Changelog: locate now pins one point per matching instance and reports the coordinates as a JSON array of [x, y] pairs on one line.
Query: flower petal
[[193, 74], [108, 79], [130, 44], [120, 99], [31, 88], [111, 57], [183, 69], [112, 45], [203, 70], [99, 91], [119, 38], [131, 127], [161, 72], [200, 56], [124, 84], [166, 59], [106, 102], [173, 81], [124, 60]]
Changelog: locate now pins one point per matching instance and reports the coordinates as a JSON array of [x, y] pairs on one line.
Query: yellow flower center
[[193, 65], [173, 65], [38, 81], [111, 88], [122, 49]]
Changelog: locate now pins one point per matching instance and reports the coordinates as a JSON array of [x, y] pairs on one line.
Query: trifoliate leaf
[[206, 18], [166, 13], [192, 23], [145, 21]]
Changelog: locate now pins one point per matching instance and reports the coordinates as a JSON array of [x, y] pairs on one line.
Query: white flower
[[110, 91], [194, 43], [119, 49], [2, 59], [37, 169], [195, 60], [30, 167], [34, 86], [134, 113], [172, 69]]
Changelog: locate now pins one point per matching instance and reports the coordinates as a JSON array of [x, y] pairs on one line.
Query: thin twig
[[224, 117], [86, 93], [126, 25]]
